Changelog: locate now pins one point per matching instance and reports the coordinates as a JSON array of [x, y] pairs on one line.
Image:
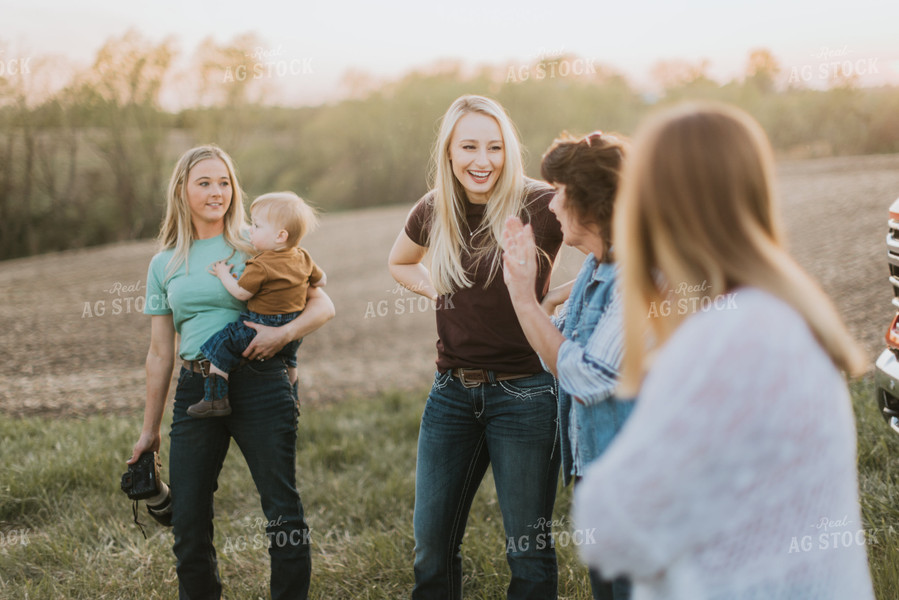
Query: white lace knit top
[[735, 477]]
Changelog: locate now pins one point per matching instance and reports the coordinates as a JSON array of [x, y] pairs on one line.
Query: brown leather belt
[[475, 377], [197, 366], [202, 366]]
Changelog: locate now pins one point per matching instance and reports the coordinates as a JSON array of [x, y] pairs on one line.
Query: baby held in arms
[[274, 284]]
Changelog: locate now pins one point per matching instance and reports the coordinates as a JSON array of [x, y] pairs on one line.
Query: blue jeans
[[224, 348], [513, 425], [263, 423]]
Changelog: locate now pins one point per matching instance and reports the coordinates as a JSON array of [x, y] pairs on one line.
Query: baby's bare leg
[[292, 374]]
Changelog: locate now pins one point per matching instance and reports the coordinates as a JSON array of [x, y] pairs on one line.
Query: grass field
[[67, 531]]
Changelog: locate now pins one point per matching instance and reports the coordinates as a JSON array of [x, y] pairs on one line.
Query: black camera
[[142, 482], [142, 479]]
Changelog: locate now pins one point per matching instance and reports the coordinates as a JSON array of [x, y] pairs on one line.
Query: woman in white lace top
[[735, 477]]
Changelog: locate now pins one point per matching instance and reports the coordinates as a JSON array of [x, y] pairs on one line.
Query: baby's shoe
[[215, 403]]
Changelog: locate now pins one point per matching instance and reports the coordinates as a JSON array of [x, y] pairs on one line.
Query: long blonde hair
[[177, 230], [697, 211], [447, 239]]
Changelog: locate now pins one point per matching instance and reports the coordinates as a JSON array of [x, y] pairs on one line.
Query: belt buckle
[[465, 382], [204, 367]]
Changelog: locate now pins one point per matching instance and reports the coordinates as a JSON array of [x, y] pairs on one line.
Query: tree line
[[87, 162]]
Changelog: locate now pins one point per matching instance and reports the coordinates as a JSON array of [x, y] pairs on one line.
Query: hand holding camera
[[142, 482]]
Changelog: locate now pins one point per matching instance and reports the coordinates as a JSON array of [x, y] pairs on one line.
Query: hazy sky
[[317, 42]]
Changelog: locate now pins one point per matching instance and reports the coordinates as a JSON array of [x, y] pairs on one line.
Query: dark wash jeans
[[263, 423], [513, 426]]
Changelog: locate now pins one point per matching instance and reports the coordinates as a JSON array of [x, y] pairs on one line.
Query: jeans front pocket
[[441, 379], [528, 387]]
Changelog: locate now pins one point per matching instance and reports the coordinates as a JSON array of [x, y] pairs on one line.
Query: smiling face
[[209, 193], [576, 235], [477, 154]]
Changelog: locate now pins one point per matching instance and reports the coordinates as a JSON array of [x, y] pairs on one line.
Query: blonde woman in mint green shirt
[[203, 224]]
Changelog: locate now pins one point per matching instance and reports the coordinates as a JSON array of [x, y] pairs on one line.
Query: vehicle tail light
[[894, 210], [893, 333]]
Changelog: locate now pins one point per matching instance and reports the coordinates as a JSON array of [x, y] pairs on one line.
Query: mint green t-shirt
[[198, 302]]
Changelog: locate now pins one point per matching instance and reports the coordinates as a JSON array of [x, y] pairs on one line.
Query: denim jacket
[[587, 366]]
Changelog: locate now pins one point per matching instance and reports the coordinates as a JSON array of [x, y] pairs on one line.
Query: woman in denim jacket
[[582, 344]]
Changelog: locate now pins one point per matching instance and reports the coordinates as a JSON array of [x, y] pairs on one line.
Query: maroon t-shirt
[[477, 326]]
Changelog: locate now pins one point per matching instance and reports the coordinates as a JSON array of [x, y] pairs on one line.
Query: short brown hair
[[589, 167], [289, 212]]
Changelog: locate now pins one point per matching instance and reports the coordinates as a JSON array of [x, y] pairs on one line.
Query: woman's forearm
[[159, 364], [520, 274], [541, 334], [404, 263], [556, 296], [415, 278], [234, 289], [269, 340], [159, 375], [319, 310]]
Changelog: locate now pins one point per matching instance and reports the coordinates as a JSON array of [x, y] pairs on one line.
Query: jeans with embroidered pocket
[[511, 425]]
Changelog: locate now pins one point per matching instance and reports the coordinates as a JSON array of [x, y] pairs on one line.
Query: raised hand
[[519, 260]]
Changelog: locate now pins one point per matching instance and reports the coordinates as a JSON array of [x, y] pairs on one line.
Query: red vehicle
[[886, 372]]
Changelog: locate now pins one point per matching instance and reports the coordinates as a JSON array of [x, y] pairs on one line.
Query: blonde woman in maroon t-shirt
[[491, 402]]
